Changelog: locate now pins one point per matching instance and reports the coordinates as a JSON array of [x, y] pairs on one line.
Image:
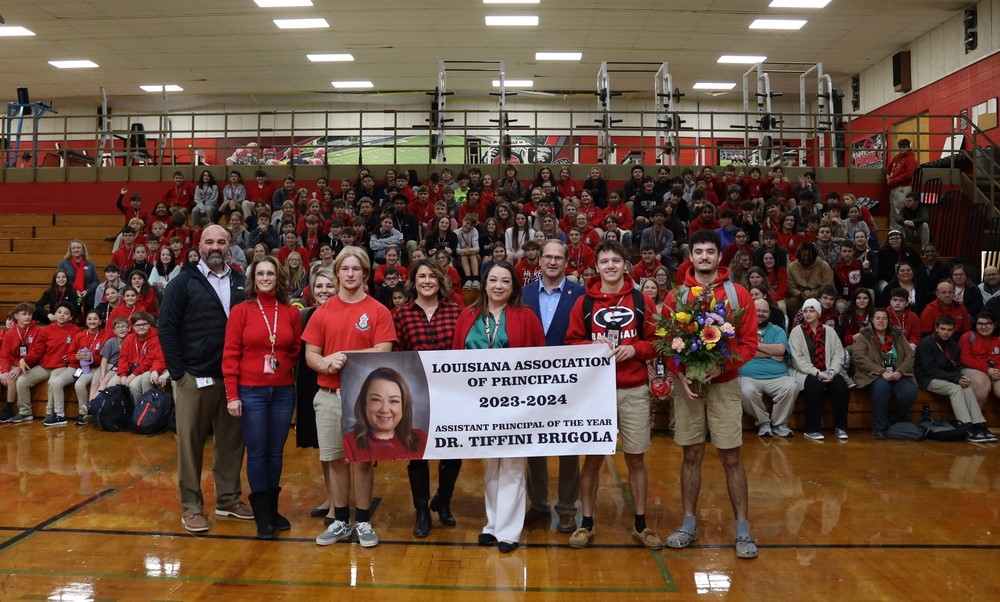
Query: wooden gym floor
[[88, 515]]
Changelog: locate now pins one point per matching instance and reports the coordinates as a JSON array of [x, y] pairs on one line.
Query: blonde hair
[[86, 255]]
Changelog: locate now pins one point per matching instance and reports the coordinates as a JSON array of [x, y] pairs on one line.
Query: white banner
[[499, 403]]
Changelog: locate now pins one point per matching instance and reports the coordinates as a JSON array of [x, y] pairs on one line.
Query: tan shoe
[[195, 523], [237, 510], [648, 539], [581, 538], [567, 523]]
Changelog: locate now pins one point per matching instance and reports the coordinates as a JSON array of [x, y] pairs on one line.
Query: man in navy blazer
[[552, 298]]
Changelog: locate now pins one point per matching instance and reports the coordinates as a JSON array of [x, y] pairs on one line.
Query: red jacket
[[569, 188], [247, 343], [523, 327], [978, 351], [264, 195], [578, 259], [120, 311], [50, 349], [700, 224], [908, 324], [303, 252], [145, 354], [622, 213], [744, 344], [179, 196], [900, 170], [631, 372], [13, 339], [641, 271], [934, 309]]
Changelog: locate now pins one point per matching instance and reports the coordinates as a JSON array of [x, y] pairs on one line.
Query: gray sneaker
[[782, 430], [335, 532], [815, 436], [21, 419], [841, 434], [366, 535], [681, 538], [764, 430], [54, 420], [746, 547]]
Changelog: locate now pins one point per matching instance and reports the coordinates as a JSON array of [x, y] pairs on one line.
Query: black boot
[[420, 489], [261, 504], [280, 522], [441, 503]]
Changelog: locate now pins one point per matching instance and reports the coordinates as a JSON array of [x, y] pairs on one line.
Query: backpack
[[638, 299], [906, 431], [112, 409], [727, 285], [944, 430], [154, 412]]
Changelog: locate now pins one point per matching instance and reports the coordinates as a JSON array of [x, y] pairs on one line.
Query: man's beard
[[214, 260]]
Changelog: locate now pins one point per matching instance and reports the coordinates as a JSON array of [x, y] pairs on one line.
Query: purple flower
[[677, 360], [694, 346]]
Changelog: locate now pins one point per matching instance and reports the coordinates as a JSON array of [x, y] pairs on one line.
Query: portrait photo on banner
[[386, 409]]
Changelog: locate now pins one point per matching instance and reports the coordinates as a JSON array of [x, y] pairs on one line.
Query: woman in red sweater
[[262, 345]]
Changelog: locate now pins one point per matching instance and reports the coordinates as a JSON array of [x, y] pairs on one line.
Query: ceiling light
[[714, 85], [161, 87], [558, 56], [11, 31], [798, 3], [741, 59], [511, 1], [78, 64], [282, 3], [514, 83], [777, 24], [301, 23], [499, 20], [329, 58], [353, 84]]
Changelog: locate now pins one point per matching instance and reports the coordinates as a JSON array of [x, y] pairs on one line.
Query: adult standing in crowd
[[552, 299], [193, 316], [500, 321], [427, 323], [353, 321], [263, 340], [899, 179]]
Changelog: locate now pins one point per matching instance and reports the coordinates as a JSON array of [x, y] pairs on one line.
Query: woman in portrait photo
[[383, 415]]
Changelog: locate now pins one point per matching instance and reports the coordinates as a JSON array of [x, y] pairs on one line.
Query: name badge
[[204, 381]]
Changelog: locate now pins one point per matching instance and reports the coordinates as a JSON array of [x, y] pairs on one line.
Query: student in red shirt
[[902, 318], [16, 341], [141, 356], [134, 210], [645, 268], [529, 269], [126, 309], [588, 236], [578, 255], [47, 357], [705, 221], [292, 246], [84, 361], [179, 195]]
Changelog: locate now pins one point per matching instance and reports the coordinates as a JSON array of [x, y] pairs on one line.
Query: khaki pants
[[199, 412], [897, 199], [963, 400], [58, 381], [24, 383]]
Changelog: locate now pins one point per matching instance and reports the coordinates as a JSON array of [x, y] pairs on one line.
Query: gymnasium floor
[[88, 515]]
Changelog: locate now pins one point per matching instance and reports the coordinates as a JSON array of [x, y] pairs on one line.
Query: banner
[[495, 403], [869, 152]]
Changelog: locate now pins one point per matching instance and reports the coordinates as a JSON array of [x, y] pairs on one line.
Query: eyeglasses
[[141, 325], [984, 324], [555, 258]]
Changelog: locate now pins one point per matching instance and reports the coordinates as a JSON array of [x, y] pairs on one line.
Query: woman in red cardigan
[[497, 321], [262, 345]]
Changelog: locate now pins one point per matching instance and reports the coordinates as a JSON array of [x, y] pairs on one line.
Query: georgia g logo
[[619, 317]]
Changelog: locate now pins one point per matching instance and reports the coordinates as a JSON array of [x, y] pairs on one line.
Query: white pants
[[782, 390], [504, 481]]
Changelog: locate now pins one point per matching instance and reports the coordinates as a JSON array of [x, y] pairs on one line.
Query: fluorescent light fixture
[[330, 58], [78, 64], [160, 88], [798, 3], [501, 20], [511, 1], [301, 23], [558, 56], [13, 31], [353, 84], [777, 24], [282, 3], [741, 59], [714, 85], [514, 83]]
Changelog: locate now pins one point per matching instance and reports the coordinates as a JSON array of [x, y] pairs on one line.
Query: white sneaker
[[467, 286], [764, 430], [841, 434], [782, 430], [475, 284], [815, 436]]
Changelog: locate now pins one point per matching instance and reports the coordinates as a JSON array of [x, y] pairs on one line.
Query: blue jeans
[[267, 414], [905, 392]]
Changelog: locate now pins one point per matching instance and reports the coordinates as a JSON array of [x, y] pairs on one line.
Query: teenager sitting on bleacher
[[16, 341], [179, 195], [58, 292], [140, 261], [81, 272], [902, 318], [141, 356], [47, 356], [146, 300], [83, 356], [981, 357]]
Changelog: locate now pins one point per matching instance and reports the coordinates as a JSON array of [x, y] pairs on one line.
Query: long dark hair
[[281, 281], [444, 283], [163, 269], [404, 430], [515, 293]]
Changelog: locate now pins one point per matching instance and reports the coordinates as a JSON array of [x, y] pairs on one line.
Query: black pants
[[815, 391]]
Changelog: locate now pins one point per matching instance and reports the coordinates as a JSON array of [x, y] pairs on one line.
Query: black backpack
[[112, 409], [944, 430], [154, 412]]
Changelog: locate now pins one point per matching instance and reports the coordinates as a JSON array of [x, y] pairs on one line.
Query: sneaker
[[841, 434], [475, 284], [764, 430], [237, 510], [467, 286], [21, 419], [581, 538], [366, 535], [975, 436], [54, 420], [782, 430], [878, 435], [567, 523], [815, 436], [648, 539], [337, 531], [83, 420], [985, 430], [195, 523], [746, 547], [682, 538]]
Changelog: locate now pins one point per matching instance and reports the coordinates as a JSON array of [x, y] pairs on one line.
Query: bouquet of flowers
[[697, 333]]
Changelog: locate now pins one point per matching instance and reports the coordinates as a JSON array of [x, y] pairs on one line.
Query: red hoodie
[[631, 372], [744, 344], [51, 347], [144, 354], [85, 340], [978, 351], [13, 340], [908, 324]]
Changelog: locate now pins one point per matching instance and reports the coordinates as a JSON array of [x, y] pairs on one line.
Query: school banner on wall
[[498, 403]]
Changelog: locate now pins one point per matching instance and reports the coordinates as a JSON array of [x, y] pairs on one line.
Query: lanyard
[[93, 342], [491, 340], [137, 352], [272, 335]]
